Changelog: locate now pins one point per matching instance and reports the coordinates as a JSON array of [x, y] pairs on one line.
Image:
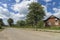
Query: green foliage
[[36, 13], [21, 23], [29, 22], [10, 21], [1, 23], [40, 24]]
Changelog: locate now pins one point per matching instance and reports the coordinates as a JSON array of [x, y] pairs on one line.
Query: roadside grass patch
[[53, 29], [48, 28], [1, 29]]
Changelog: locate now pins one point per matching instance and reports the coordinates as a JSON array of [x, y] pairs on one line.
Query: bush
[[40, 24], [0, 27], [21, 23]]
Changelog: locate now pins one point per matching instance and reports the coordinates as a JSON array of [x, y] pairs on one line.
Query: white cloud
[[34, 0], [45, 9], [17, 1], [47, 0], [5, 5], [24, 4], [3, 12], [57, 12], [16, 17]]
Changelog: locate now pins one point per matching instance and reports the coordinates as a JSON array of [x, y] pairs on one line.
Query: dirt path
[[20, 34]]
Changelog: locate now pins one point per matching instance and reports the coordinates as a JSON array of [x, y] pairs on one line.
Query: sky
[[18, 9]]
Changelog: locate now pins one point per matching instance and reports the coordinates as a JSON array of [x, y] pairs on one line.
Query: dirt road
[[20, 34]]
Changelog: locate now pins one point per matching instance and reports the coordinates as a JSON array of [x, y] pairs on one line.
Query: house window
[[56, 22]]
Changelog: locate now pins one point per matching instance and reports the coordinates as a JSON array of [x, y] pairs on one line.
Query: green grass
[[1, 29], [50, 28]]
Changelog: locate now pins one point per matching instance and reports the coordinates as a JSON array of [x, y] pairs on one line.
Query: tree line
[[33, 19]]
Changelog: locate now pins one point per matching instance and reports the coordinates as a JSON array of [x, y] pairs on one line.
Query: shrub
[[0, 27], [21, 23], [40, 24]]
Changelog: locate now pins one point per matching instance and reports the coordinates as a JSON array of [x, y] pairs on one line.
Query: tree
[[10, 21], [21, 23], [36, 13], [1, 23]]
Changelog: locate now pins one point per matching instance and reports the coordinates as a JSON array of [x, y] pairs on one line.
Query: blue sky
[[51, 4], [18, 9]]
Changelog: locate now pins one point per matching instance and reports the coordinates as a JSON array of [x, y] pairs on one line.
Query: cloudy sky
[[18, 9]]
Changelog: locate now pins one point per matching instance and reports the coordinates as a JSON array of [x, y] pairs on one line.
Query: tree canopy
[[36, 13], [10, 21]]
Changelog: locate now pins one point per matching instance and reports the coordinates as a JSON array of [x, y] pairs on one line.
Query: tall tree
[[36, 13], [10, 21]]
